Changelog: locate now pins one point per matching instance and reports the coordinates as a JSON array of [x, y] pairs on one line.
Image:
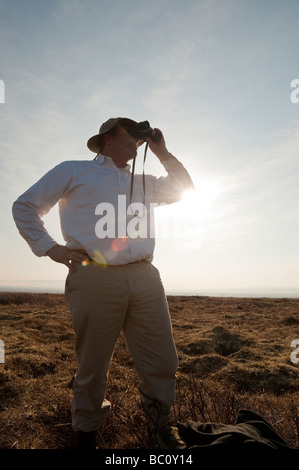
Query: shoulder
[[74, 166], [76, 163]]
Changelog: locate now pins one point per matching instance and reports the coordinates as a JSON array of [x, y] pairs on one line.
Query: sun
[[200, 202], [201, 199], [197, 209]]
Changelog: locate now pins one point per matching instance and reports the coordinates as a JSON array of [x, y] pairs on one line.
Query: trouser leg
[[98, 300], [149, 337]]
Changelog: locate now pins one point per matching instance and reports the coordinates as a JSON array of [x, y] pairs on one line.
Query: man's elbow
[[15, 209], [18, 210], [17, 204]]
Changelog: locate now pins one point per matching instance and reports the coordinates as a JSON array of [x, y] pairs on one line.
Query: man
[[112, 285]]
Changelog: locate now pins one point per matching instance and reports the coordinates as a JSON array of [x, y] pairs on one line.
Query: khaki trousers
[[104, 301]]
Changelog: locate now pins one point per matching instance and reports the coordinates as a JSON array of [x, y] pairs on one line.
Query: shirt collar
[[103, 159]]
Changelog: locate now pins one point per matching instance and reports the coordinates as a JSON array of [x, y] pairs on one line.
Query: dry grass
[[234, 353]]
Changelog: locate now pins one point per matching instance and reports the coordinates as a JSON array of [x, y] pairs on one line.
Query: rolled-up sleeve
[[36, 202]]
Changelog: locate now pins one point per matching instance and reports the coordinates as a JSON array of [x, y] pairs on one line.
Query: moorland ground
[[234, 353]]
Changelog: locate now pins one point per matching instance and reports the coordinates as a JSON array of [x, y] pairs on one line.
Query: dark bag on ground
[[250, 431]]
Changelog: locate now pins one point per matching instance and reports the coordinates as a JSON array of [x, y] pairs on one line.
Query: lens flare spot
[[119, 244], [85, 262], [99, 258]]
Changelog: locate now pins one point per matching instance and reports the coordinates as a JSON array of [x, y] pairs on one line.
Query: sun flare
[[200, 202], [202, 198], [196, 211]]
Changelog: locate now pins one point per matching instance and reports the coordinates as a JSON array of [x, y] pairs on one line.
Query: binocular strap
[[143, 175]]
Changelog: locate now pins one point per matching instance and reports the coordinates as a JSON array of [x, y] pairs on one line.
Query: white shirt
[[83, 189]]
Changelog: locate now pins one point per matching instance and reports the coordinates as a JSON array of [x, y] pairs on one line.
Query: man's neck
[[119, 161]]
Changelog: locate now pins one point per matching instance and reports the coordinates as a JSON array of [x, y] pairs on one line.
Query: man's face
[[124, 144]]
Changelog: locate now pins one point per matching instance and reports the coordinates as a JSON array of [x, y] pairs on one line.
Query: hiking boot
[[152, 437], [168, 438], [87, 440]]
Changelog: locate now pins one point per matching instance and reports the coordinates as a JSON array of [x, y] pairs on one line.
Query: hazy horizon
[[57, 286]]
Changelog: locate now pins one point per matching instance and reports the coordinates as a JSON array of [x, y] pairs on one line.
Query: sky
[[220, 78]]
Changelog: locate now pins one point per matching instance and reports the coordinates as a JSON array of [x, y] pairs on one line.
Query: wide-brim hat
[[94, 143]]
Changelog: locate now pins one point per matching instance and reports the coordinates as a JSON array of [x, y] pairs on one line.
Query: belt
[[106, 265]]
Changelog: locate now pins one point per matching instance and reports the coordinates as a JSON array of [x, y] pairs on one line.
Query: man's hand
[[157, 145], [62, 254]]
